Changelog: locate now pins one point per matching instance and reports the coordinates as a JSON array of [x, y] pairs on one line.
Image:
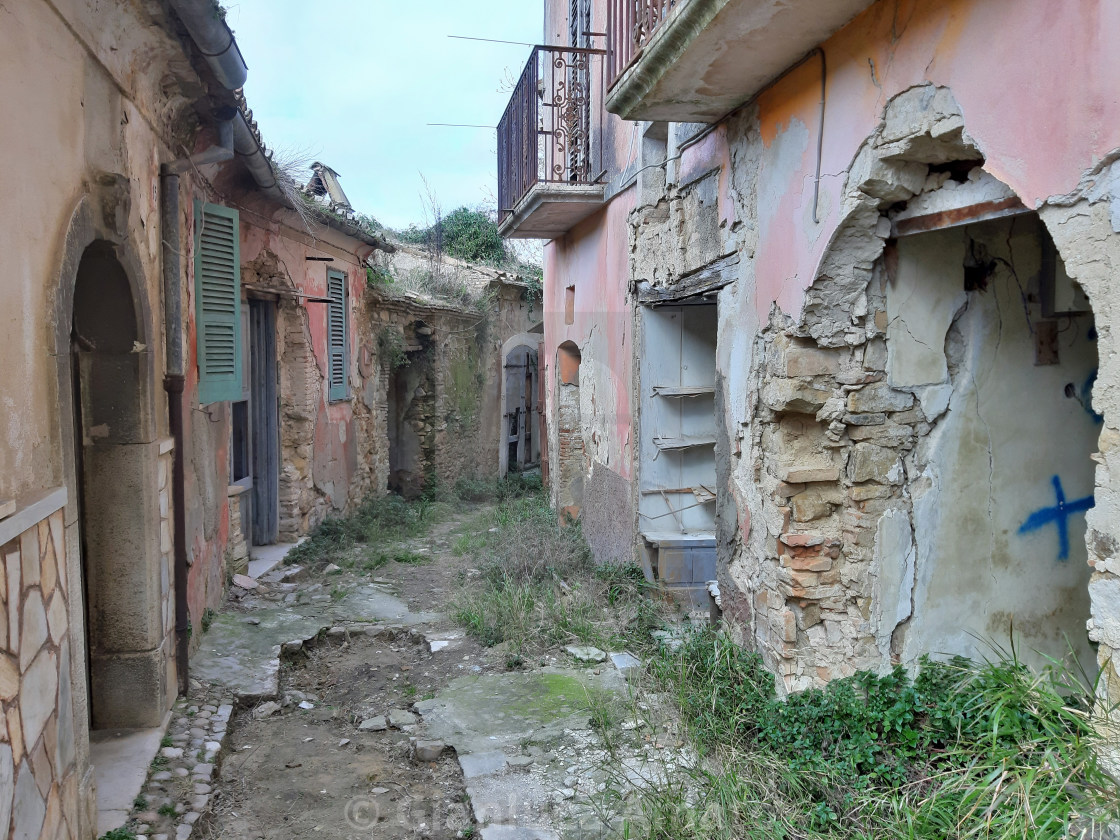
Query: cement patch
[[246, 657]]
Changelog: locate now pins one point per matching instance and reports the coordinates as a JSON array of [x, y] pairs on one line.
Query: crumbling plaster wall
[[850, 467], [800, 330], [458, 424], [103, 94]]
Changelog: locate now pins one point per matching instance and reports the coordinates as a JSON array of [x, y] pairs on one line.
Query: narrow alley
[[351, 694], [556, 420]]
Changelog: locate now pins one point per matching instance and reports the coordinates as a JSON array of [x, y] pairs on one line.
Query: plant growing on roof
[[390, 344]]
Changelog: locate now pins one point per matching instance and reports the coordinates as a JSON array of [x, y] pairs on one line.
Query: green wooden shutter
[[217, 292], [338, 346]]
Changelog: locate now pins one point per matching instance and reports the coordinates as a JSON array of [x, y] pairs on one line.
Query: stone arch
[[571, 456], [519, 380], [108, 435], [878, 421]]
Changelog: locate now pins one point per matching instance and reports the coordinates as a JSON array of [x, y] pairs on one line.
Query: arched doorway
[[519, 445], [570, 456], [125, 575]]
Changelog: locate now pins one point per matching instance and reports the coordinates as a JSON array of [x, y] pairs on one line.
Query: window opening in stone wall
[[677, 438]]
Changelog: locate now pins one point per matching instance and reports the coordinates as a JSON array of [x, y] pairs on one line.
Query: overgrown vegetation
[[961, 750], [538, 585], [390, 346], [377, 520]]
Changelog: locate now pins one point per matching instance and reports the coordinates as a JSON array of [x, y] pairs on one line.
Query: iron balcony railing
[[545, 132], [630, 25]]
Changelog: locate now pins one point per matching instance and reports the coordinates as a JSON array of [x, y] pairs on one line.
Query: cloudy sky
[[353, 83]]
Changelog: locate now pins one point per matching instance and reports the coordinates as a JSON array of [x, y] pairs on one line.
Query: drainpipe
[[174, 375]]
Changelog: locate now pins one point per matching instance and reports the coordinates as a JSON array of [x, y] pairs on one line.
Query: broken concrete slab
[[482, 764], [400, 718], [246, 658], [626, 663], [510, 832], [585, 653], [429, 750]]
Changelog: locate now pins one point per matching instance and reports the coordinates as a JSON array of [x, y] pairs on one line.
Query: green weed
[[987, 750], [375, 521]]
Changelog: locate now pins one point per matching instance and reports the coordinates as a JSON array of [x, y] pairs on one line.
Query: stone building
[[828, 307], [193, 368]]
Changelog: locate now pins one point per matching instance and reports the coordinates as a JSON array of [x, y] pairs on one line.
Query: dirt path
[[322, 772], [363, 711]]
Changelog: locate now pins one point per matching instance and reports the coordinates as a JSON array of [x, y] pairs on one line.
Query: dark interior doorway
[[264, 423], [520, 388], [410, 412]]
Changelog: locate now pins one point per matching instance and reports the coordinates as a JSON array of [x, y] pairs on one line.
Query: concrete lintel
[[30, 511]]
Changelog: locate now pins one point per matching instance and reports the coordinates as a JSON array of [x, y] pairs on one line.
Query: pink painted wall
[[207, 474], [1035, 79], [594, 258]]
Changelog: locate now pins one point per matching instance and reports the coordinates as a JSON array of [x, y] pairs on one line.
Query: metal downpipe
[[173, 384]]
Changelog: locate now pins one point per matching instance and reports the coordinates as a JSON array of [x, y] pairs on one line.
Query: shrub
[[472, 235]]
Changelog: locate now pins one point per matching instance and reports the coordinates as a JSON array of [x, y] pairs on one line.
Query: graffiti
[[1058, 515], [1087, 397]]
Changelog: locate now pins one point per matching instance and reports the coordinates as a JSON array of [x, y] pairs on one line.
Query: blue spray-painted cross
[[1059, 514]]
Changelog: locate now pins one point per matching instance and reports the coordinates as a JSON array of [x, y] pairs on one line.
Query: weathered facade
[[193, 368], [889, 417]]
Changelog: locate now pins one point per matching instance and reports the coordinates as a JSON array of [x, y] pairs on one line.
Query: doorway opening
[[677, 483], [264, 424], [571, 457], [128, 651], [520, 386], [410, 412]]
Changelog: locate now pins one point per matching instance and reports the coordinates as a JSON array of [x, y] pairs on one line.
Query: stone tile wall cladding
[[819, 450], [38, 772]]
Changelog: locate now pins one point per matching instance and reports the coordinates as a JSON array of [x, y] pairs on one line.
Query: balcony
[[547, 162], [697, 60]]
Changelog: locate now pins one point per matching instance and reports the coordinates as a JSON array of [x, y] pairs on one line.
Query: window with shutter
[[217, 279], [338, 345]]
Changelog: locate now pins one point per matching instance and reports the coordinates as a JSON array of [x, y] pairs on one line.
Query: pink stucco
[[594, 258], [999, 58]]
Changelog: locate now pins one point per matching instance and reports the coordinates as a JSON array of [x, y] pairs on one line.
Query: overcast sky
[[352, 83]]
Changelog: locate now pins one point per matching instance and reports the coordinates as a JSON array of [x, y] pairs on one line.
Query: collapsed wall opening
[[999, 484], [410, 411], [923, 431]]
